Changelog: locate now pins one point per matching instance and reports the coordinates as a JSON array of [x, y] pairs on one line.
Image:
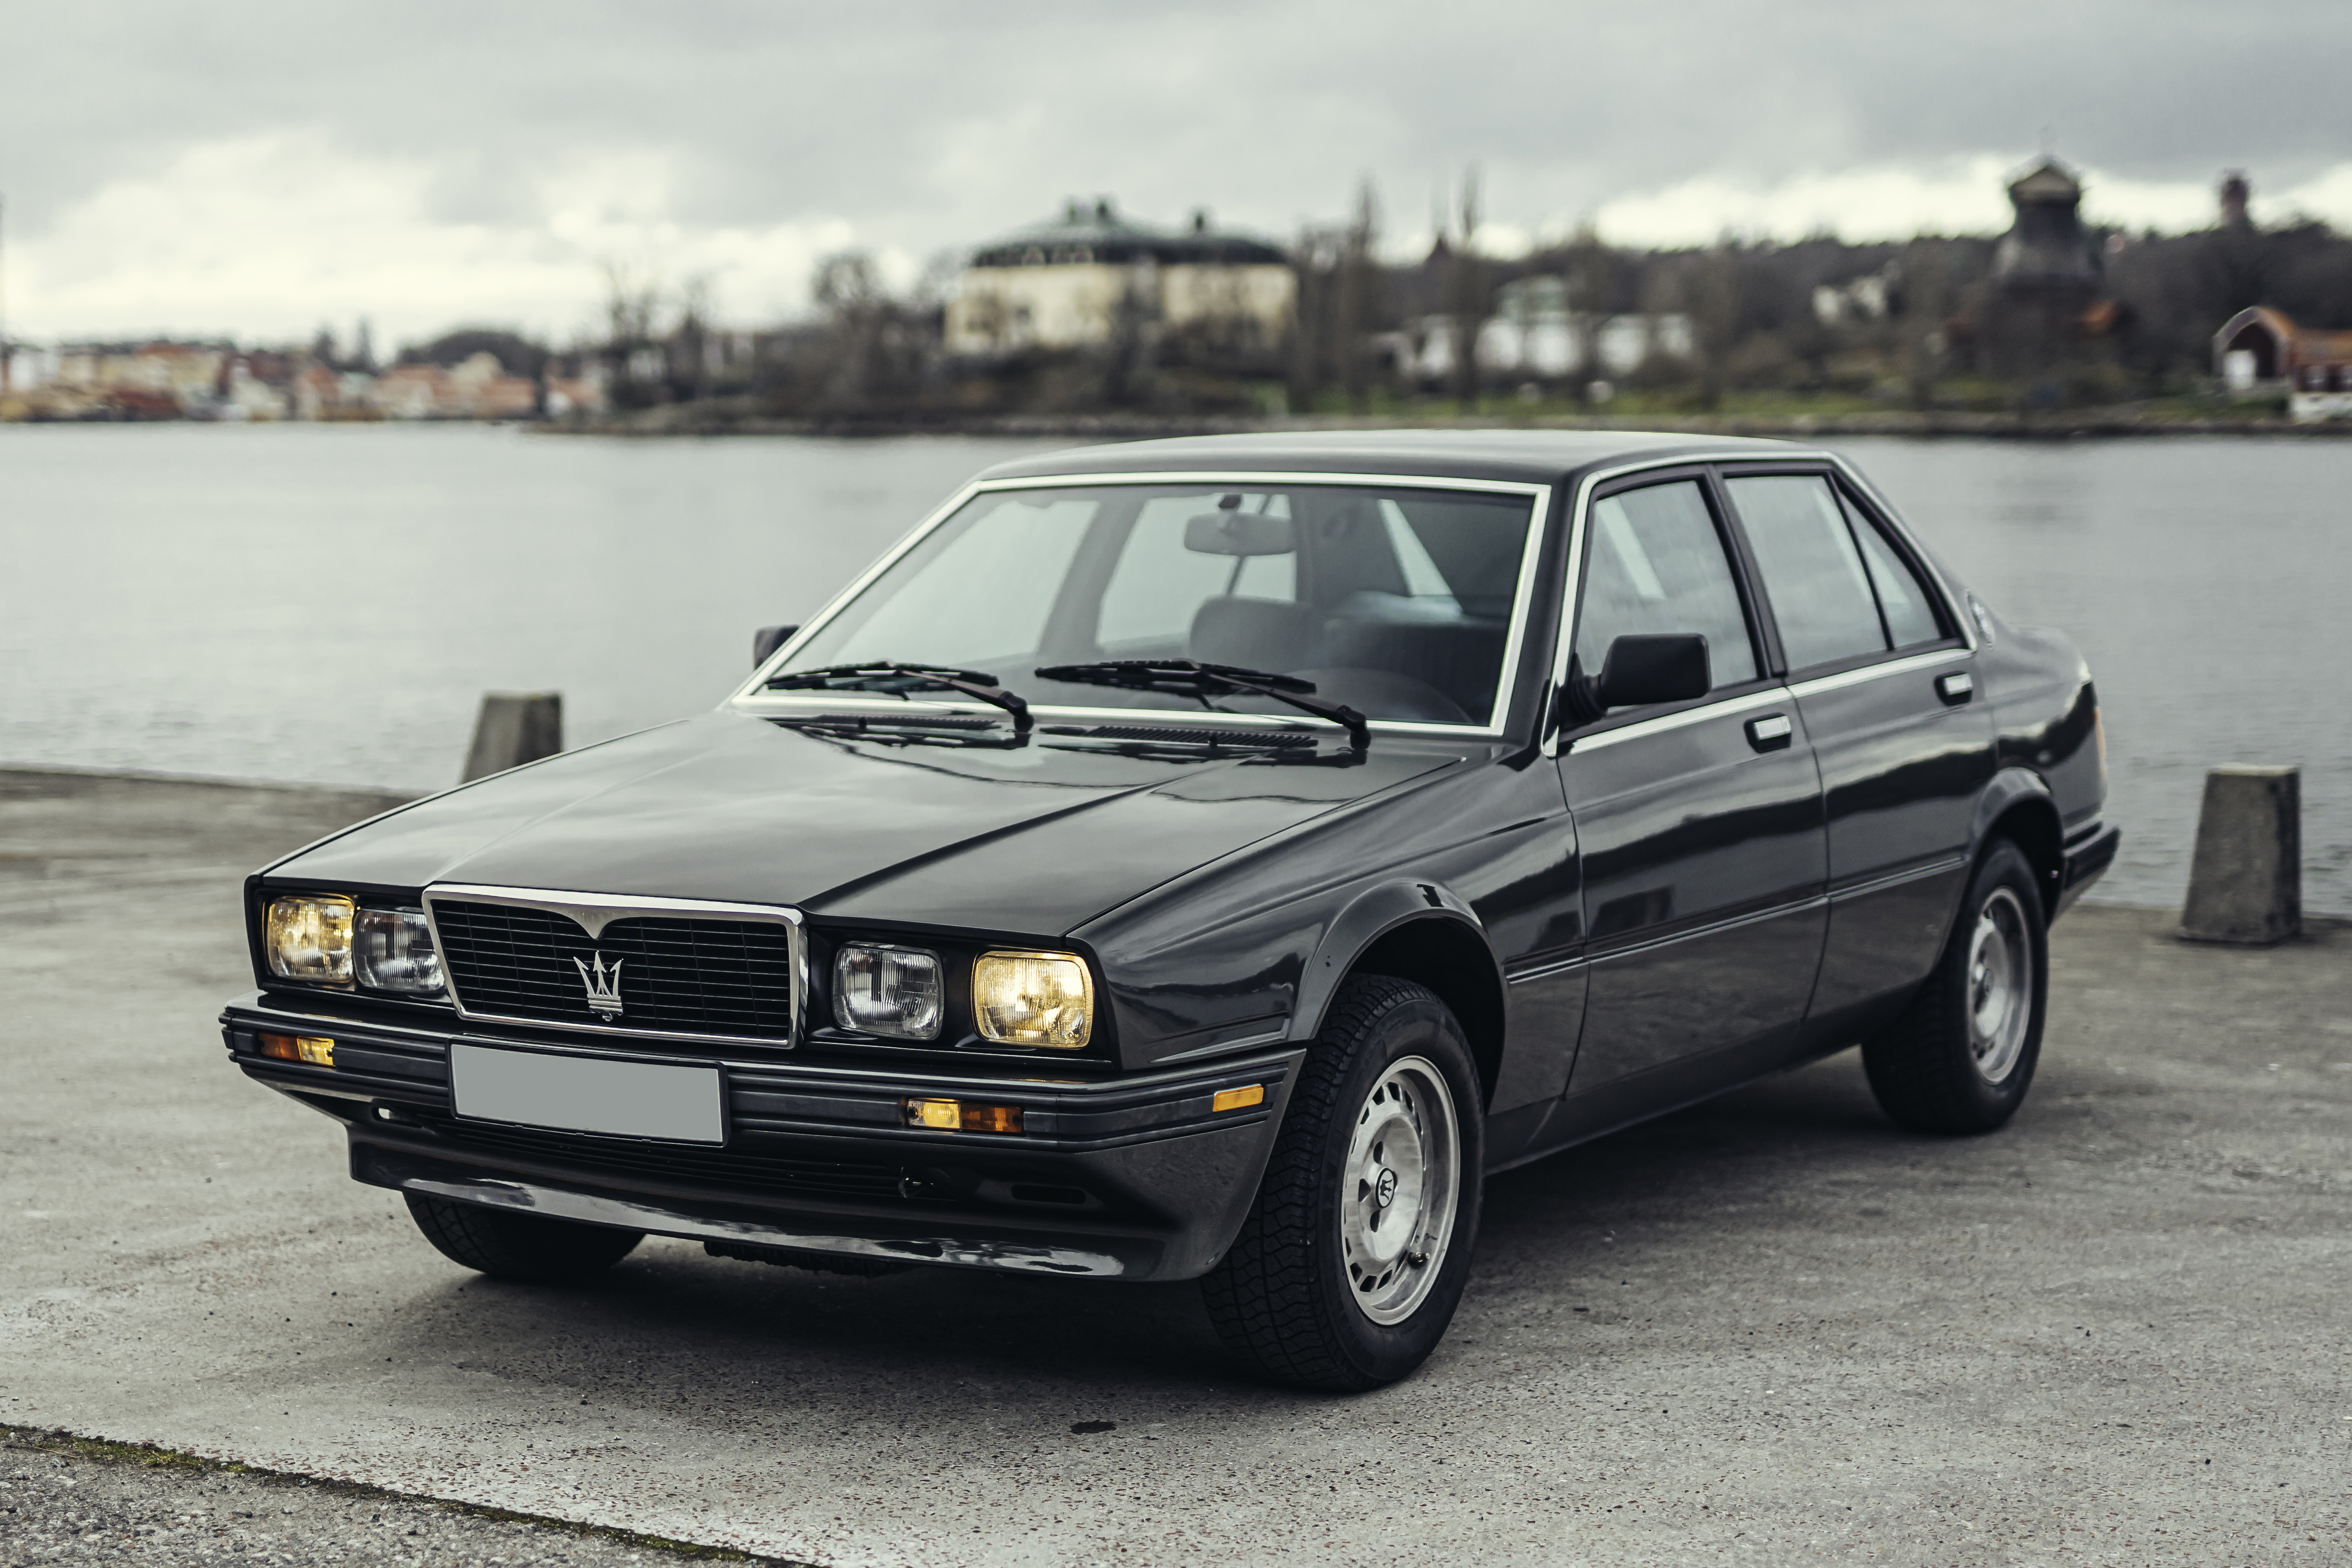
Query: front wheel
[[1348, 1268], [1961, 1055], [528, 1248]]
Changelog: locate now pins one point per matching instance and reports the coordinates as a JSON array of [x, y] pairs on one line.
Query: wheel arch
[[2018, 806], [1418, 931]]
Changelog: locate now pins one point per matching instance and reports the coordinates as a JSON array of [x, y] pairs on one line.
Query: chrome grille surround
[[594, 911]]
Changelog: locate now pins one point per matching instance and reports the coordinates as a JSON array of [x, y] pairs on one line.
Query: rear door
[[1886, 685], [1700, 822]]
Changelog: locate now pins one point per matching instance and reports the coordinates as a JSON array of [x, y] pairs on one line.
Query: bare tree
[[1590, 281], [632, 300], [1466, 296], [1714, 318], [1357, 307]]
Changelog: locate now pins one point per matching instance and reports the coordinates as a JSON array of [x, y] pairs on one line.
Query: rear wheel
[[528, 1248], [1350, 1266], [1961, 1057]]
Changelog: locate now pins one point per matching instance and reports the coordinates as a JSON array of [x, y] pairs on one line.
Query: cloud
[[268, 236], [254, 168]]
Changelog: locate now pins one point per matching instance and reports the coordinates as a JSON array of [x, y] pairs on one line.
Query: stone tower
[[2046, 273]]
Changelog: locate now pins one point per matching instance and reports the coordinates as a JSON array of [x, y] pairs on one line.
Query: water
[[327, 602]]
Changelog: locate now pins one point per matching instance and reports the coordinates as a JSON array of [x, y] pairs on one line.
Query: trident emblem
[[603, 985]]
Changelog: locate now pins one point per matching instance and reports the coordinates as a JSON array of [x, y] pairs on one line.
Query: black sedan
[[1211, 859]]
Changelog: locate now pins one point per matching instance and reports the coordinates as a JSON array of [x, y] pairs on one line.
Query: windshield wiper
[[1189, 678], [898, 679]]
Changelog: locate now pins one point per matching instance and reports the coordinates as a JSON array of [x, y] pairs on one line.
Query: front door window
[[1655, 564]]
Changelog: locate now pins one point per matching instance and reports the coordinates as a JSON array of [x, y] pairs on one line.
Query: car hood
[[1035, 838]]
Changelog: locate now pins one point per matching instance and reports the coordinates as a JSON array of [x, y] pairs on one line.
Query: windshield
[[1396, 601]]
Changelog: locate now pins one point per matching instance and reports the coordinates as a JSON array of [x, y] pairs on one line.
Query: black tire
[[1288, 1297], [527, 1248], [1925, 1068]]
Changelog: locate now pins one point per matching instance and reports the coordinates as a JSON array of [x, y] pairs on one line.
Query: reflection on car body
[[1210, 859]]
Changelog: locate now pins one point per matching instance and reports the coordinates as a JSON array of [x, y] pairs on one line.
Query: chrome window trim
[[1869, 672], [1679, 718], [1580, 518], [750, 697], [593, 912]]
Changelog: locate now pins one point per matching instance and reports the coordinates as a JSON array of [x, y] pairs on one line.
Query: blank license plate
[[588, 1094]]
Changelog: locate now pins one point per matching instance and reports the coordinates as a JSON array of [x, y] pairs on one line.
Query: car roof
[[1539, 457]]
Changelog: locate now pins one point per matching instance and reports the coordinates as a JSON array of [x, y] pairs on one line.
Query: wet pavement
[[1772, 1328]]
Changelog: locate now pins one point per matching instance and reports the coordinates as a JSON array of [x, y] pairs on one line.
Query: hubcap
[[1398, 1189], [2001, 986]]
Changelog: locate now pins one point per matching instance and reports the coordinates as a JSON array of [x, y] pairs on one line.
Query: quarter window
[[1813, 570], [1910, 613], [1655, 564]]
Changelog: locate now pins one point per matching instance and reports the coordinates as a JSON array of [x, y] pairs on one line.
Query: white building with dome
[[1093, 274]]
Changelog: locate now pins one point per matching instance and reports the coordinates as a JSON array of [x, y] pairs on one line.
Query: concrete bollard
[[514, 728], [2245, 884]]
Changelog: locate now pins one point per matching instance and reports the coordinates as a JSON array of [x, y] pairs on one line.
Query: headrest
[[1240, 533], [1272, 635]]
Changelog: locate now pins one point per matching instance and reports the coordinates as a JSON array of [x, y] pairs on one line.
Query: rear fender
[[2018, 804]]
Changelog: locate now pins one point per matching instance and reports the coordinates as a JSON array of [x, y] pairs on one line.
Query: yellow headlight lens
[[309, 938], [1034, 999]]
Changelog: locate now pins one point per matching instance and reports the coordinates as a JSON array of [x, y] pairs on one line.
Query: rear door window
[[1814, 571], [1654, 562]]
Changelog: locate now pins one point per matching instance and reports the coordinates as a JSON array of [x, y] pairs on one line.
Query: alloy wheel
[[1401, 1181], [2001, 986]]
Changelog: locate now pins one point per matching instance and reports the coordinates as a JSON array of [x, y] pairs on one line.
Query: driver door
[[1700, 822]]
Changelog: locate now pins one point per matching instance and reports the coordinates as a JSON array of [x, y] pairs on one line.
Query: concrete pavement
[[1773, 1329]]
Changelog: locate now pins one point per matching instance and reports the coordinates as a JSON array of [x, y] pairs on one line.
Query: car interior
[[1397, 605]]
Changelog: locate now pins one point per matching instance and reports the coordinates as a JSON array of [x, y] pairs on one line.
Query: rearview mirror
[[1642, 671], [767, 640], [1240, 533]]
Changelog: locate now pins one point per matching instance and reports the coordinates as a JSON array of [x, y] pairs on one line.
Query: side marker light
[[1238, 1099]]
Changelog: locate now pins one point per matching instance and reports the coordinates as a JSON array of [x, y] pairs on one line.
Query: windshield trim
[[753, 695]]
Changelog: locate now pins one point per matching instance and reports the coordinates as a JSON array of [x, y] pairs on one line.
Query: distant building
[[1093, 277], [2045, 255], [154, 380], [475, 388], [1533, 334], [2235, 195], [2046, 273], [2261, 351]]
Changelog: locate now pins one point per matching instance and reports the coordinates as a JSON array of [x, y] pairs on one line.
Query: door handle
[[1772, 733], [1956, 688]]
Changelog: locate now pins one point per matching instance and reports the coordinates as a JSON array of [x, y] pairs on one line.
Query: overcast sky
[[257, 169]]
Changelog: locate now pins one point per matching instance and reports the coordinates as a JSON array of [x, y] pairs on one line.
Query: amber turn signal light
[[1238, 1099], [307, 1049], [963, 1116]]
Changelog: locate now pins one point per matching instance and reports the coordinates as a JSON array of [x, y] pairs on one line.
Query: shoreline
[[2073, 426]]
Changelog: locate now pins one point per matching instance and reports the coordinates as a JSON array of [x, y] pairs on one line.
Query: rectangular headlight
[[396, 953], [309, 936], [889, 991], [1034, 999]]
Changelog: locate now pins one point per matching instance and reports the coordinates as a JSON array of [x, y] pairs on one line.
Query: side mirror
[[767, 640], [1641, 670]]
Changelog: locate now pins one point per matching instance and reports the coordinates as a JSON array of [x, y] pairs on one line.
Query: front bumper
[[1132, 1177], [2090, 850]]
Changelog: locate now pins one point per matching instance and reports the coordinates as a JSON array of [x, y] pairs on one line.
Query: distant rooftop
[[1097, 232], [2048, 183]]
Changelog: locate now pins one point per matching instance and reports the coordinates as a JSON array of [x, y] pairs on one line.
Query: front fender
[[1369, 915]]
